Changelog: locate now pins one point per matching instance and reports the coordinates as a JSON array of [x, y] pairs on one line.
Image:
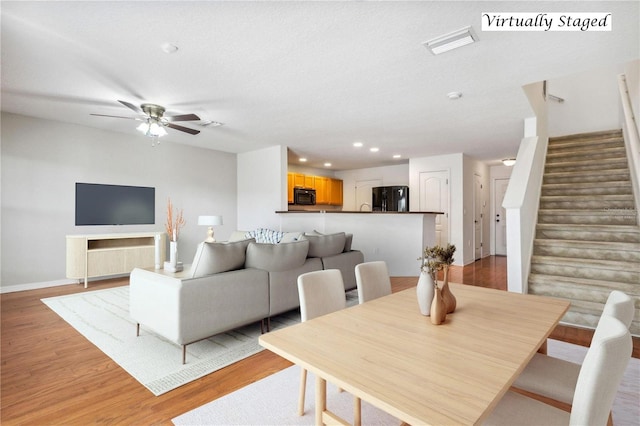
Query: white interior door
[[501, 217], [434, 196], [363, 193], [478, 213]]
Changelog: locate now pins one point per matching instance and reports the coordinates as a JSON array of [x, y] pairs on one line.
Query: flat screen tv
[[98, 204]]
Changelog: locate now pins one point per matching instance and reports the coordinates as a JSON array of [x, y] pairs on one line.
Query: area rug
[[273, 400], [102, 316]]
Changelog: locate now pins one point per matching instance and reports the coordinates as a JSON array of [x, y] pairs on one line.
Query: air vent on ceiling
[[451, 41]]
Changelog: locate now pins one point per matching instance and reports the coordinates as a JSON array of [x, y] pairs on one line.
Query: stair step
[[589, 137], [592, 154], [556, 146], [596, 269], [585, 216], [613, 233], [583, 312], [587, 164], [605, 202], [587, 188], [605, 250], [584, 176]]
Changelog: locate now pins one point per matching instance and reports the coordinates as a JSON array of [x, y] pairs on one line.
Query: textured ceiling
[[313, 76]]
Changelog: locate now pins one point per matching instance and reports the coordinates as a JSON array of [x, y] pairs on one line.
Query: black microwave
[[304, 196]]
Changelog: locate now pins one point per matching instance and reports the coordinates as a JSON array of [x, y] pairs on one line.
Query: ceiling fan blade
[[183, 129], [184, 117], [119, 116], [131, 107]]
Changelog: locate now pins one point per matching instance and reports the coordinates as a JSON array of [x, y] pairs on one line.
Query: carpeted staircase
[[587, 238]]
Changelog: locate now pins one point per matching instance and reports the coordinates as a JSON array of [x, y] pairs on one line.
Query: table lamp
[[210, 221]]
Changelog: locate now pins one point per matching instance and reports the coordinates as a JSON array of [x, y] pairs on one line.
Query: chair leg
[[357, 411], [184, 354], [303, 388], [137, 329]]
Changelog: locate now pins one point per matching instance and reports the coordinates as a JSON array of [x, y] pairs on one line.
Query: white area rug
[[102, 316], [273, 400]]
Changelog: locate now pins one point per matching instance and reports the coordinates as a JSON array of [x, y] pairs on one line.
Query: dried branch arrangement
[[174, 224]]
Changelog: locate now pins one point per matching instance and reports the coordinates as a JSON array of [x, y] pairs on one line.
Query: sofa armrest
[[188, 310]]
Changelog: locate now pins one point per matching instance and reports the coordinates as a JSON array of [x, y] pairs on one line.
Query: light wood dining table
[[389, 355]]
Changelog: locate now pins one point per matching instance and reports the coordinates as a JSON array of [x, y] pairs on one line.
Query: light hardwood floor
[[50, 374]]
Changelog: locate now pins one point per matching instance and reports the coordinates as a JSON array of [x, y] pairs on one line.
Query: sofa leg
[[137, 329], [184, 354]]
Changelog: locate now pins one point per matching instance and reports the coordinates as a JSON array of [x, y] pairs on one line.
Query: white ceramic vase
[[425, 290], [173, 253]]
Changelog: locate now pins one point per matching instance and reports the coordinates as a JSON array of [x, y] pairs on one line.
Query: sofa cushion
[[348, 239], [326, 245], [264, 235], [212, 258], [277, 257]]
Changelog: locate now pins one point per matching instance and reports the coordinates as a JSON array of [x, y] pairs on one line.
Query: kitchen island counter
[[398, 238]]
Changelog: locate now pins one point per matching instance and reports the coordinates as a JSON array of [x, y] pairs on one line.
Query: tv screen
[[98, 204]]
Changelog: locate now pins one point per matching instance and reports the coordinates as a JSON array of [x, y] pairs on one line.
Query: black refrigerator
[[390, 199]]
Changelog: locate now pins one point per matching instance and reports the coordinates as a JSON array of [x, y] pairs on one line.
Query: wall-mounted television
[[98, 204]]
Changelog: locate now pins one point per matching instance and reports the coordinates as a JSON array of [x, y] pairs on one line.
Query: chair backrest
[[372, 280], [620, 306], [320, 292], [601, 372]]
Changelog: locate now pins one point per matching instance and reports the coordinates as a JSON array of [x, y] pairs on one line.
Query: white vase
[[425, 291], [173, 253]]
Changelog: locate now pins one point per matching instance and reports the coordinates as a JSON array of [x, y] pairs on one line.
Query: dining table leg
[[321, 399]]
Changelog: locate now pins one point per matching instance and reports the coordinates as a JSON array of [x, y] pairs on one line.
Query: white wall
[[262, 187], [41, 162], [389, 175], [591, 102]]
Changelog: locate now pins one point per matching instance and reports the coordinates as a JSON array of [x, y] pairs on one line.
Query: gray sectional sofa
[[234, 283]]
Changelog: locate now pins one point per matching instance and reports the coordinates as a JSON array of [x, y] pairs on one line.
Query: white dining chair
[[553, 380], [321, 293], [596, 387], [372, 280]]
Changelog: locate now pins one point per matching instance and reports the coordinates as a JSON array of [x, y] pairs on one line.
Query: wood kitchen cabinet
[[328, 190]]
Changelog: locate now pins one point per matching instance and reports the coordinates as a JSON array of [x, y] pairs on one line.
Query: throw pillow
[[213, 258], [264, 235], [277, 257], [238, 236], [290, 237]]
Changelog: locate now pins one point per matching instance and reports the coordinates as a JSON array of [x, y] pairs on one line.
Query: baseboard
[[35, 286], [54, 283]]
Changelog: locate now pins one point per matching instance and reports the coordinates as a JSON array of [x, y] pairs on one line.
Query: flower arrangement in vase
[[435, 259], [427, 283], [174, 223]]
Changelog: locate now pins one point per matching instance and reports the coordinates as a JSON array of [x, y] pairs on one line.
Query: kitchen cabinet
[[328, 190], [335, 192], [322, 192]]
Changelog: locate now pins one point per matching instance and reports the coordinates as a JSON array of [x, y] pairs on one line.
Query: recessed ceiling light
[[454, 95], [327, 164], [357, 144], [397, 156], [302, 160], [169, 48], [451, 41], [509, 162], [374, 149]]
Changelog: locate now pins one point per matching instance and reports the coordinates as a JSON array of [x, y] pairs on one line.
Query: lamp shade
[[209, 220]]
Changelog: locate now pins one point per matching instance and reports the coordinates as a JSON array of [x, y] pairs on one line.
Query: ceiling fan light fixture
[[451, 41], [152, 128]]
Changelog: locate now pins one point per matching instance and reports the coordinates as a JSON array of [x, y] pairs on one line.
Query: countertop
[[353, 211]]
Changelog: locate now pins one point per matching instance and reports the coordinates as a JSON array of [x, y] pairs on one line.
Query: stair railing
[[631, 138]]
